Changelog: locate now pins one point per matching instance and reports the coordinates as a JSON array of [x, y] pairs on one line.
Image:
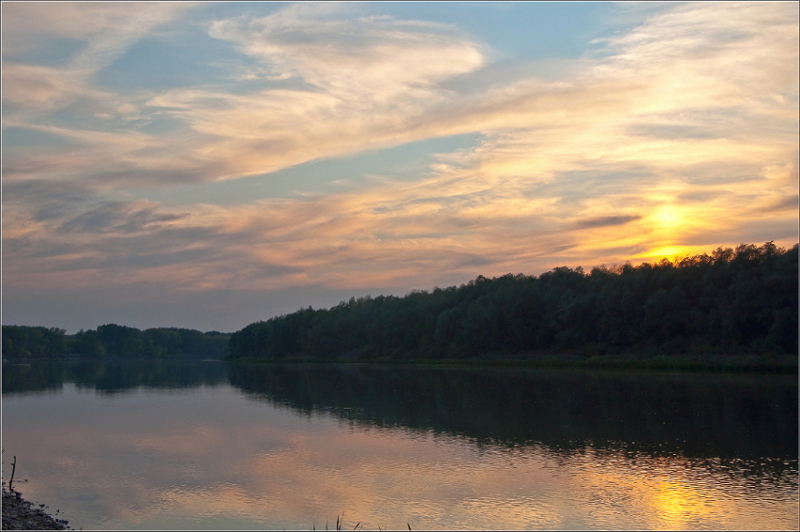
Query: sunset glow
[[208, 165]]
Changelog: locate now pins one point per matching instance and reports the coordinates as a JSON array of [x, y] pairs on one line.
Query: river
[[208, 445]]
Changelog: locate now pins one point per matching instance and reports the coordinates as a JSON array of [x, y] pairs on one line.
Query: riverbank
[[739, 363], [19, 514]]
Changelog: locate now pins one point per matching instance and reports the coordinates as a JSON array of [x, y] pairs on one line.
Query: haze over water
[[188, 446]]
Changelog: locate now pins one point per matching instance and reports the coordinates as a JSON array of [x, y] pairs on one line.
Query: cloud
[[38, 87], [607, 221], [680, 135], [370, 83], [376, 82], [378, 58], [105, 30], [63, 99], [120, 217]]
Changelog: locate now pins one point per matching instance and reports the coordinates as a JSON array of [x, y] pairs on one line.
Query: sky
[[209, 165]]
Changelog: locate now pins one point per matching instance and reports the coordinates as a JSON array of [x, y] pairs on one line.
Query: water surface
[[206, 445]]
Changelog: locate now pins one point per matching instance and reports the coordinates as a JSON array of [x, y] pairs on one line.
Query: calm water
[[207, 445]]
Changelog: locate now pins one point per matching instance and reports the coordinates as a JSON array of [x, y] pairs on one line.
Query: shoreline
[[740, 363], [21, 514], [784, 364]]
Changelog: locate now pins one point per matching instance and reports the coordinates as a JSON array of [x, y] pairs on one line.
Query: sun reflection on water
[[678, 505], [677, 493]]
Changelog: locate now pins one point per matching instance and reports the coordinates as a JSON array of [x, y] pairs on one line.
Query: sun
[[666, 252], [668, 223], [667, 217]]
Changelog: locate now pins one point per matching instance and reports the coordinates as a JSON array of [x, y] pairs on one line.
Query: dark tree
[[741, 300]]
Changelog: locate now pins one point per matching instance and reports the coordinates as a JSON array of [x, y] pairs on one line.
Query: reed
[[340, 524]]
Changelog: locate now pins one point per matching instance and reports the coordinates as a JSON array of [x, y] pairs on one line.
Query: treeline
[[112, 341], [741, 300]]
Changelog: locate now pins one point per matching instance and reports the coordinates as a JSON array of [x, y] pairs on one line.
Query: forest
[[112, 341], [733, 301]]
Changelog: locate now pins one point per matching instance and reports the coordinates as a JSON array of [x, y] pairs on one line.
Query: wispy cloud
[[673, 137], [104, 31], [370, 82]]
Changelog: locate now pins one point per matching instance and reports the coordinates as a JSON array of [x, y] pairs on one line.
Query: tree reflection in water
[[745, 424]]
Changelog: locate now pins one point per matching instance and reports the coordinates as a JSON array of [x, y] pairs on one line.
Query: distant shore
[[20, 514], [709, 362], [738, 363]]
